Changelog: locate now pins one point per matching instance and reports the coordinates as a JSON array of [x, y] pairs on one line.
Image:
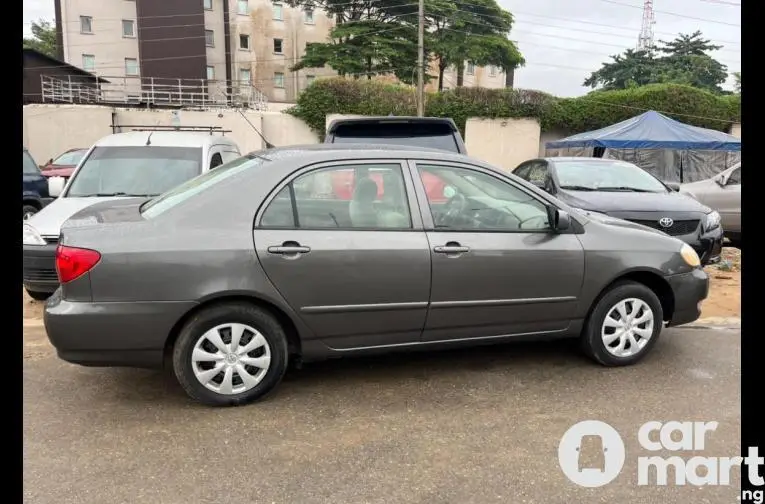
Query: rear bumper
[[689, 290], [39, 268], [129, 334]]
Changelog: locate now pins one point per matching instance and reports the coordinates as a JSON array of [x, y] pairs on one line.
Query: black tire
[[591, 340], [29, 210], [238, 312], [38, 296]]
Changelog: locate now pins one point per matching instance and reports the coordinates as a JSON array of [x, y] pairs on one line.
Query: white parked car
[[122, 165]]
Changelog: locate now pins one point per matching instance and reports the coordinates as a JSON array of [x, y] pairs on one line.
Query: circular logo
[[666, 222], [232, 359], [591, 453]]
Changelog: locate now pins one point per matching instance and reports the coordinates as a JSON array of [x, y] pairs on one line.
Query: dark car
[[626, 191], [64, 165], [34, 187], [232, 274]]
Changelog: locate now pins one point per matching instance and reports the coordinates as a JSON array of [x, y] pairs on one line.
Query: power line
[[614, 2]]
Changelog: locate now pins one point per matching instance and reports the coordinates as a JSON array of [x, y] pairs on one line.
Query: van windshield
[[134, 171]]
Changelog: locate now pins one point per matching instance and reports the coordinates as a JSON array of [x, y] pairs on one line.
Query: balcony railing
[[152, 91]]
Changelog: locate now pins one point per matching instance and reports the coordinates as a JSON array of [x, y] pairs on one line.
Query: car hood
[[700, 186], [606, 201], [621, 223], [48, 221]]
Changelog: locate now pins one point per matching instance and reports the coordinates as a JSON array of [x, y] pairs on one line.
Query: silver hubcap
[[231, 358], [628, 327]]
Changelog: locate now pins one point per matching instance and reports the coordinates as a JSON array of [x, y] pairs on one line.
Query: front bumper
[[689, 290], [39, 268], [130, 334], [708, 246]]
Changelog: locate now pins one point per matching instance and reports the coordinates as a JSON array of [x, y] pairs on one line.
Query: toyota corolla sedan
[[626, 191], [257, 263]]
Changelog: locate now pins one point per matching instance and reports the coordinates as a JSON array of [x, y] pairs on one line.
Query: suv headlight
[[31, 236], [711, 221], [690, 256]]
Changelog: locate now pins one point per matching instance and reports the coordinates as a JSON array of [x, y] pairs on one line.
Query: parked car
[[626, 191], [229, 276], [34, 193], [723, 193], [64, 165], [136, 163]]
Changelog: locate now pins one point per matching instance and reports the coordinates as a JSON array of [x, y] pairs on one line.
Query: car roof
[[164, 139], [580, 158], [314, 153]]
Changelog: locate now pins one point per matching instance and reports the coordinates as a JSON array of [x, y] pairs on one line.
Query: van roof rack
[[139, 127]]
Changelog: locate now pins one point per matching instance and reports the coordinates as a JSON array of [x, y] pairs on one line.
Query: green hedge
[[571, 115]]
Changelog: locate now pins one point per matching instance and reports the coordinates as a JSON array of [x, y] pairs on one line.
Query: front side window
[[735, 177], [471, 200], [346, 197], [135, 171], [606, 176]]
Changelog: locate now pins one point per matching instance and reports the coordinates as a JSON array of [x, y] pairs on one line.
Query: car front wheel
[[624, 325], [230, 354]]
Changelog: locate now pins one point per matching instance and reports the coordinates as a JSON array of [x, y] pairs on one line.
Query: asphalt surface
[[476, 426]]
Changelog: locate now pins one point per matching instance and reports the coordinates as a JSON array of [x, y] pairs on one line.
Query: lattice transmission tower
[[645, 40]]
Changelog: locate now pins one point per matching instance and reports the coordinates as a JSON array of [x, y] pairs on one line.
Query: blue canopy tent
[[671, 150]]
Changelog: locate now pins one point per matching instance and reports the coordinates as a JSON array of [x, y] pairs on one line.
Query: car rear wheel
[[230, 354], [624, 325]]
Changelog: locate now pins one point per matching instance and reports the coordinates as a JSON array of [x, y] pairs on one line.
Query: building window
[[210, 72], [131, 67], [470, 68], [244, 42], [208, 4], [278, 46], [492, 71], [209, 38], [309, 79], [88, 62], [279, 80], [245, 75], [128, 28], [243, 7], [86, 24], [278, 14], [308, 15]]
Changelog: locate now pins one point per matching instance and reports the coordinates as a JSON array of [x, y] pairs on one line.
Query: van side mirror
[[559, 220], [56, 186]]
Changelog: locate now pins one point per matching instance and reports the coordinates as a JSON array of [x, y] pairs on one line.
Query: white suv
[[132, 164]]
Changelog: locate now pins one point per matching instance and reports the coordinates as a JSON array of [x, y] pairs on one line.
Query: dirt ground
[[724, 293]]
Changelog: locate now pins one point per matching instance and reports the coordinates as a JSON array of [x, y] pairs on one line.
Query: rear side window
[[432, 136]]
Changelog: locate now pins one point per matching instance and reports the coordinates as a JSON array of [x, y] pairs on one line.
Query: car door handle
[[289, 249], [451, 248]]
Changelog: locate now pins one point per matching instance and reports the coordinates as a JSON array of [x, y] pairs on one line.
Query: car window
[[30, 167], [432, 136], [478, 201], [523, 171], [70, 158], [216, 160], [735, 177], [605, 175], [367, 196]]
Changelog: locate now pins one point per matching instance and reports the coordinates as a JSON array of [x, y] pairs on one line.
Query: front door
[[497, 267], [356, 267]]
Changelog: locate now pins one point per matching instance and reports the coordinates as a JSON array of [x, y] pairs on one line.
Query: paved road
[[477, 426]]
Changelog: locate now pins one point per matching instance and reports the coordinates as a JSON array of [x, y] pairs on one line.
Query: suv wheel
[[230, 354], [624, 325], [29, 211]]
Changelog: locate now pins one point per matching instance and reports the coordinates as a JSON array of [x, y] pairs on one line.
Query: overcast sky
[[563, 41]]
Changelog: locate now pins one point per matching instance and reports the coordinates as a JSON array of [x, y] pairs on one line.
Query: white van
[[131, 164]]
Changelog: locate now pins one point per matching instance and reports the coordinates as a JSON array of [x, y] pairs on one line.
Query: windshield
[[199, 184], [30, 167], [431, 136], [604, 176], [135, 171], [70, 158]]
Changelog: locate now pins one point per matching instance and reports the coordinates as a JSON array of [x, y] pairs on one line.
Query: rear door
[[356, 270], [497, 267]]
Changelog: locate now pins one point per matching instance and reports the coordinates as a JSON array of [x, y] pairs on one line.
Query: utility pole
[[421, 60]]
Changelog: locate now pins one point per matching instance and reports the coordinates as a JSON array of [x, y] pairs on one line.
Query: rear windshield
[[135, 171], [428, 135]]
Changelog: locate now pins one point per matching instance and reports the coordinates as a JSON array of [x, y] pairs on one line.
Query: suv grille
[[678, 228]]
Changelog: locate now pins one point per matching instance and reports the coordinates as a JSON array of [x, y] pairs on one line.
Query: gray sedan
[[306, 253]]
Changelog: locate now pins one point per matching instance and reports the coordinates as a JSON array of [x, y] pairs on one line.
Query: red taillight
[[73, 262]]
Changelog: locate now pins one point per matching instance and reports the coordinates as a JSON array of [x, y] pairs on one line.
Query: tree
[[683, 60], [737, 82], [43, 38]]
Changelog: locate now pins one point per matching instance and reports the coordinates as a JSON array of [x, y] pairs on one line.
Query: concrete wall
[[505, 143], [550, 136], [735, 130], [49, 130]]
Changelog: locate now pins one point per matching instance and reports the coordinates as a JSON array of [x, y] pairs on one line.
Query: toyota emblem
[[666, 222]]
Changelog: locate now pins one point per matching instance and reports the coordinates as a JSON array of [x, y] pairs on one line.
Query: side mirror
[[673, 186], [559, 220], [720, 180], [56, 186]]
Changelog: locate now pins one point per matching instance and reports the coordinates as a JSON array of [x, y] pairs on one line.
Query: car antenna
[[269, 145], [148, 139]]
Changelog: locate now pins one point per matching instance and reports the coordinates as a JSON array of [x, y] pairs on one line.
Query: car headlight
[[31, 236], [690, 256], [711, 221]]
